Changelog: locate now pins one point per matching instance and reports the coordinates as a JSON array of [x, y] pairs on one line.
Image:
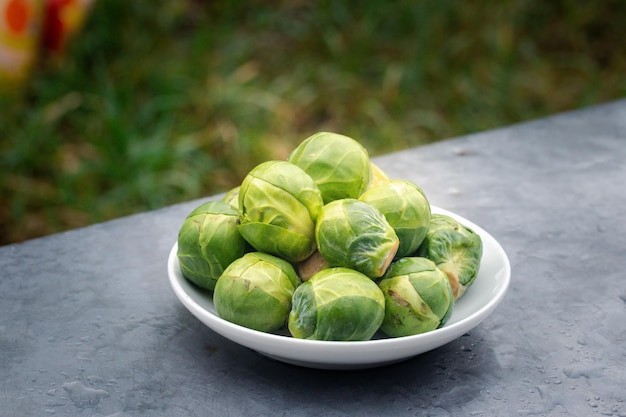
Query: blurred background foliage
[[158, 102]]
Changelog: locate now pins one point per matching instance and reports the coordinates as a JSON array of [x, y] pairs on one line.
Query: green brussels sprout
[[255, 292], [418, 297], [208, 241], [232, 197], [456, 250], [336, 304], [354, 234], [278, 206], [339, 165], [406, 208], [378, 176]]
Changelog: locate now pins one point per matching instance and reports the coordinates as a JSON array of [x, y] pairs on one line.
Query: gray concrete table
[[89, 325]]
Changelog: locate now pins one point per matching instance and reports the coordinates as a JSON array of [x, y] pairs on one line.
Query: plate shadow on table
[[430, 380]]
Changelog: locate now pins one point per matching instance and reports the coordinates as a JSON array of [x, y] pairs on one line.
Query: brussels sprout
[[278, 206], [455, 249], [418, 297], [336, 304], [405, 207], [208, 241], [339, 165], [378, 176], [255, 291], [232, 197], [354, 234]]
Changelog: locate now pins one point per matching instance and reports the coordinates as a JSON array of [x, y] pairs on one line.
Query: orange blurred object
[[20, 28], [32, 30]]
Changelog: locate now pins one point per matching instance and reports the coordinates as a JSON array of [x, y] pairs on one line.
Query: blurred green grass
[[159, 102]]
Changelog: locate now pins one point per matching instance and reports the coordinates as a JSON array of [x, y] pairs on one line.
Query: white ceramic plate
[[475, 305]]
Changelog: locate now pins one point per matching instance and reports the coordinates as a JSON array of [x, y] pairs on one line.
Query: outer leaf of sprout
[[337, 304], [418, 297], [339, 165], [278, 206], [232, 197], [406, 208], [378, 176], [255, 291], [208, 241], [455, 249], [354, 234]]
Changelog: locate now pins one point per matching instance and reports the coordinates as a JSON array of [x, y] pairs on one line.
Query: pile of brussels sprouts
[[327, 246]]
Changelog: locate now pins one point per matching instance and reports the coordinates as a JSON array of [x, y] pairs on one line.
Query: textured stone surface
[[90, 327]]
